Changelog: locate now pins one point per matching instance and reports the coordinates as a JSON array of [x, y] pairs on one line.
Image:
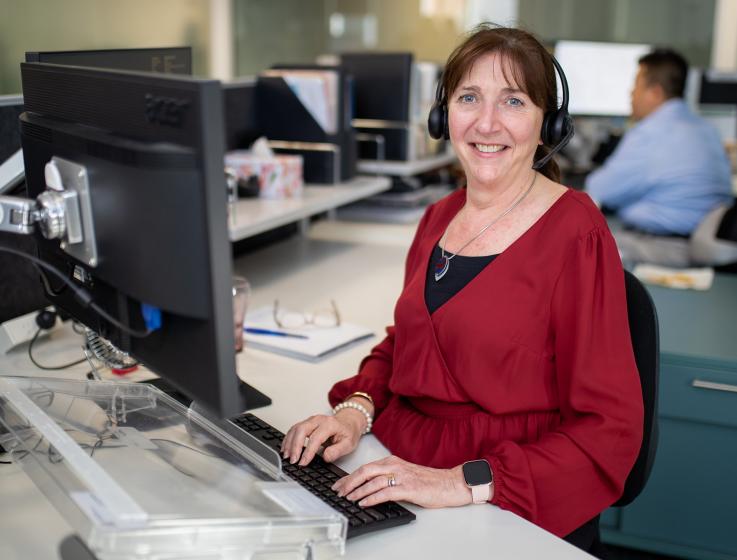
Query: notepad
[[680, 278], [321, 342]]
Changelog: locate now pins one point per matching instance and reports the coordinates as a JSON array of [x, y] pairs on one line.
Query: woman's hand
[[342, 431], [431, 488]]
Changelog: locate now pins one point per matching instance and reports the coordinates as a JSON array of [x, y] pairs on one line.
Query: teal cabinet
[[689, 506]]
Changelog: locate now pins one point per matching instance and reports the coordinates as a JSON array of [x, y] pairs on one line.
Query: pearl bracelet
[[360, 408]]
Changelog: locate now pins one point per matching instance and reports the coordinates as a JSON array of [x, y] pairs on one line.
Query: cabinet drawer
[[700, 394], [690, 498]]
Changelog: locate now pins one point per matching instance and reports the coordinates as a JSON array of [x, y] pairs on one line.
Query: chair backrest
[[714, 241], [643, 323]]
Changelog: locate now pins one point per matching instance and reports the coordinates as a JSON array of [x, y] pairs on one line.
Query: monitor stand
[[251, 396]]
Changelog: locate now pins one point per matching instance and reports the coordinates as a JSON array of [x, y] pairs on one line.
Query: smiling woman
[[508, 377]]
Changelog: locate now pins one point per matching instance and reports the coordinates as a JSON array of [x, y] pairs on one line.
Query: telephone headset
[[557, 127]]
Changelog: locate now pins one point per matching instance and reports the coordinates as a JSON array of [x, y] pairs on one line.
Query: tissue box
[[278, 177]]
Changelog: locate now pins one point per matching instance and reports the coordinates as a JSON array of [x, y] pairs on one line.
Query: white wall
[[724, 48]]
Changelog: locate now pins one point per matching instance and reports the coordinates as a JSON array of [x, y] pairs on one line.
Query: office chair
[[643, 323], [714, 241]]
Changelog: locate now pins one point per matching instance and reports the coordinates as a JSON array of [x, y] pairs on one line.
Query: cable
[[82, 295], [48, 287], [48, 368], [135, 333]]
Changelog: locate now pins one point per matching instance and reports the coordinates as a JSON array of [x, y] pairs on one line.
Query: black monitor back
[[153, 149], [168, 60], [20, 285], [718, 89], [11, 106], [382, 83], [241, 124]]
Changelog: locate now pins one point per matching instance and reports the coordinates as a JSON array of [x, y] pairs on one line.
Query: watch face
[[477, 472]]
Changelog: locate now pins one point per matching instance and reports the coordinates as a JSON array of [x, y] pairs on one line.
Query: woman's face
[[493, 125]]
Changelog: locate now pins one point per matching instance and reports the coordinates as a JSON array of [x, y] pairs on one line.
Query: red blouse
[[529, 366]]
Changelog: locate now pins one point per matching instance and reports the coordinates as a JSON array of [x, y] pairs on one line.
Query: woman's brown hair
[[531, 66]]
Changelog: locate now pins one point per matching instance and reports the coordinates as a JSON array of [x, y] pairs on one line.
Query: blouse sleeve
[[574, 472], [375, 370]]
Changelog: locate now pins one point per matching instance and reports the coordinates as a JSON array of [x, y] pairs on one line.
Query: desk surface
[[406, 168], [252, 216], [360, 266]]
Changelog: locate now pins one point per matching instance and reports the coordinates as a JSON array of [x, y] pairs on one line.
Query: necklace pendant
[[441, 267]]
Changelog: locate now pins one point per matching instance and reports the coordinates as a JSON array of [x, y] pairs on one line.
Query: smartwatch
[[479, 479]]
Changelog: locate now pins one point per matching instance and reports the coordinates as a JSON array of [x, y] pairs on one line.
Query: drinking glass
[[241, 295]]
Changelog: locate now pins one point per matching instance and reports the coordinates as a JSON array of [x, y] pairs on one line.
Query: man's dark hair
[[666, 68]]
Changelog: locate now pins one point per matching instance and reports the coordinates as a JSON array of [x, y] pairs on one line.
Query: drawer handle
[[725, 387]]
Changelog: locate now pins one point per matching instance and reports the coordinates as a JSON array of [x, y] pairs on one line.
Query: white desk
[[406, 168], [252, 216], [361, 267]]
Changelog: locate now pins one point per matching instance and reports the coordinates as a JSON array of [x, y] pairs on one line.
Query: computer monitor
[[20, 285], [241, 118], [144, 154], [381, 83], [718, 88], [11, 106], [600, 75], [168, 60], [382, 87]]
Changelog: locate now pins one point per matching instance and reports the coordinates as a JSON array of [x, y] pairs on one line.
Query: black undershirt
[[460, 272]]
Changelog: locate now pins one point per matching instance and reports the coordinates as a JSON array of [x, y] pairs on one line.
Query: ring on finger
[[391, 480]]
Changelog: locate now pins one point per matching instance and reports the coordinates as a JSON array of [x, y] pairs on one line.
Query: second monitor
[[170, 60], [600, 75]]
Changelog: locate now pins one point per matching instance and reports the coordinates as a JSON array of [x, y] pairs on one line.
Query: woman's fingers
[[383, 495], [303, 440], [294, 441], [324, 431], [347, 484], [371, 487], [340, 446]]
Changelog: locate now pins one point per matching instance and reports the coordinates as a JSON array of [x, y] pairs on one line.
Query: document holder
[[138, 475], [329, 155]]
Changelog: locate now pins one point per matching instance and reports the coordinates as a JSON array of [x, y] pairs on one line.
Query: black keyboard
[[319, 476]]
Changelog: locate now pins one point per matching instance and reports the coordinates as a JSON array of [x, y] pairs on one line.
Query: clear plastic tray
[[140, 476]]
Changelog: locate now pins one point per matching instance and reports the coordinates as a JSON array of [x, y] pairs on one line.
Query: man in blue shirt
[[669, 170]]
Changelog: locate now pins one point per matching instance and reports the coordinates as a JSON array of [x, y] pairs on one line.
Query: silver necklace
[[443, 263]]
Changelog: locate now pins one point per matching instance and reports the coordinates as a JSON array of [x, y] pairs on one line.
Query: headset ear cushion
[[437, 122], [545, 129], [556, 125]]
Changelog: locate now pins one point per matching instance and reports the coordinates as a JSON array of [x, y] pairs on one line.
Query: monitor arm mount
[[63, 211]]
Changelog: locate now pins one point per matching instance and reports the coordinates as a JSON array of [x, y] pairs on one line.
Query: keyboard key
[[375, 513], [364, 517]]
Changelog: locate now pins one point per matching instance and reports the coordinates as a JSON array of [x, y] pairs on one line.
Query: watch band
[[481, 493]]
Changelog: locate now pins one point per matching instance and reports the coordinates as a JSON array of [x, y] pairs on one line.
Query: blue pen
[[269, 332]]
